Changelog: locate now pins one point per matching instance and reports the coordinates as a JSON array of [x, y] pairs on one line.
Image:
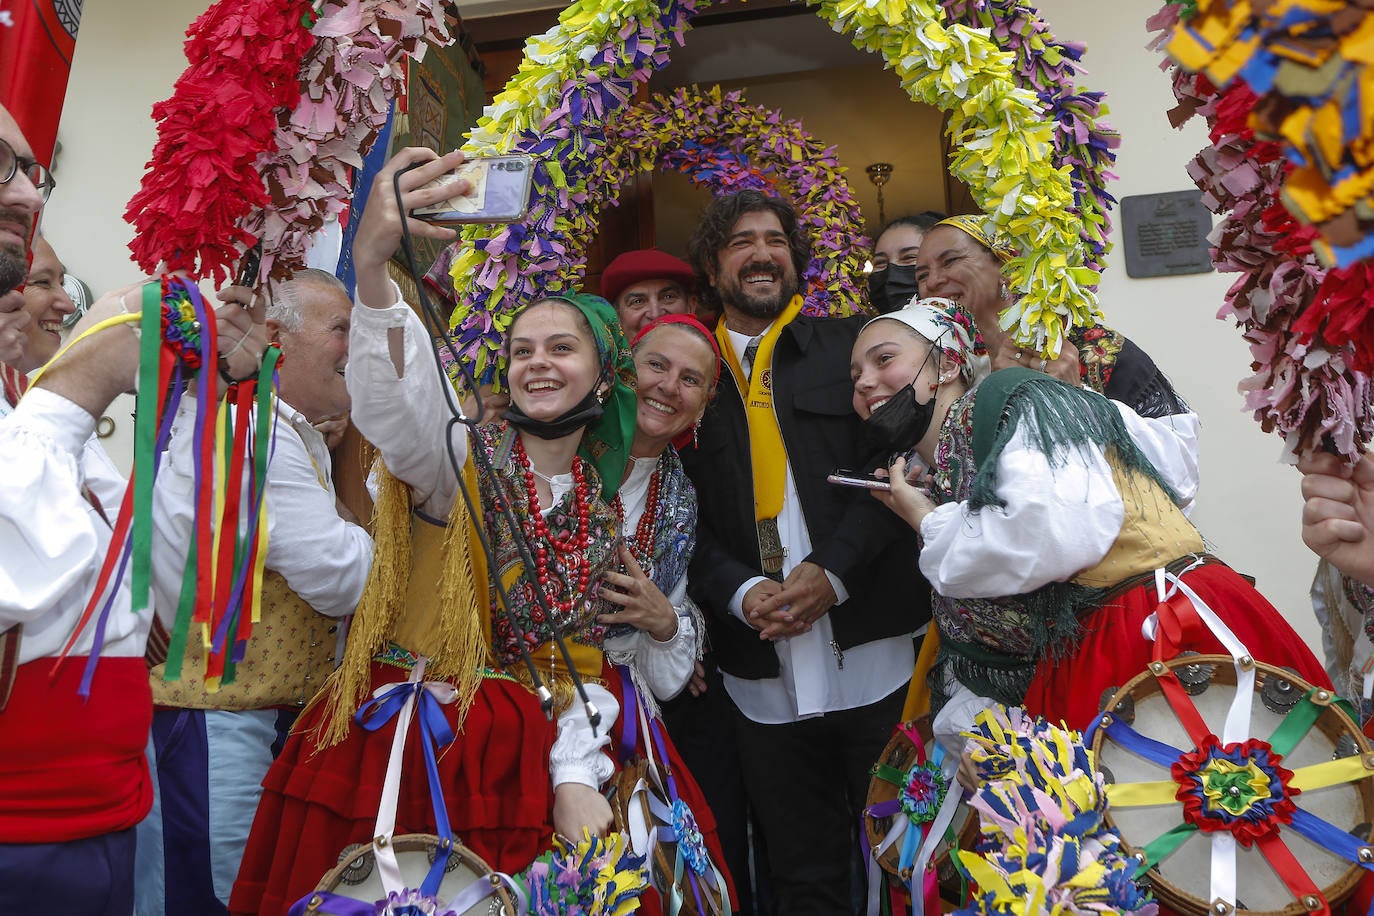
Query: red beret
[[644, 264]]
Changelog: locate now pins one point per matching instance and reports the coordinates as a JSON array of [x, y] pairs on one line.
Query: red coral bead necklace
[[569, 551]]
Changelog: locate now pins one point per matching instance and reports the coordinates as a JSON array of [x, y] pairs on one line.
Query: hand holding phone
[[499, 193], [844, 477]]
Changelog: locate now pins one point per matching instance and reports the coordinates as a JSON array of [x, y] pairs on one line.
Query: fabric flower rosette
[[575, 84], [911, 810], [1279, 89], [1241, 787]]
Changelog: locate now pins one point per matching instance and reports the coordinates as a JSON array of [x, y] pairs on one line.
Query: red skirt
[[687, 789], [1112, 649], [314, 803]]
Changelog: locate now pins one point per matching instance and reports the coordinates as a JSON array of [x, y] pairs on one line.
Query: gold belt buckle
[[771, 550]]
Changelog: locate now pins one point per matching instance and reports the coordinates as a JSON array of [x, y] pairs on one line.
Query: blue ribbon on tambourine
[[434, 734]]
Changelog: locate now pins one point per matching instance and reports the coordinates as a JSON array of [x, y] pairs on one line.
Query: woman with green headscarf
[[512, 777]]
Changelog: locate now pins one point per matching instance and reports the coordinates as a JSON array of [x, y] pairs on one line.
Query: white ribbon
[[953, 796], [1237, 725], [388, 870]]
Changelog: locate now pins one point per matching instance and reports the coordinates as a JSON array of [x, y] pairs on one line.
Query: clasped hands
[[790, 607]]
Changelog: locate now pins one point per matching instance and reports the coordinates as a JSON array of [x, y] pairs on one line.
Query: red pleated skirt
[[495, 776], [496, 789], [1112, 650]]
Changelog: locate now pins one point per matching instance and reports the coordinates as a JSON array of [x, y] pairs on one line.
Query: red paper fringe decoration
[[245, 58]]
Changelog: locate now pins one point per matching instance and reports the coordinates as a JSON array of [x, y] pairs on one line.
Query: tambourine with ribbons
[[660, 824], [411, 870], [914, 819], [1235, 783]]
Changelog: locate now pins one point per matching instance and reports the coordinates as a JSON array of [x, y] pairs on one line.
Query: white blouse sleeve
[[577, 754], [404, 416], [48, 530], [1057, 521], [665, 666], [1171, 444]]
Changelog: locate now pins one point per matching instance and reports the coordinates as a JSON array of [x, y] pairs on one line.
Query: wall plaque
[[1166, 234]]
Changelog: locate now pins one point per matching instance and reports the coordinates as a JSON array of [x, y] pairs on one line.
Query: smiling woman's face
[[675, 367], [47, 303], [886, 358], [553, 360], [952, 265]]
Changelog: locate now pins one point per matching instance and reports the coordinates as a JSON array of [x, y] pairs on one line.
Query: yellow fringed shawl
[[427, 592]]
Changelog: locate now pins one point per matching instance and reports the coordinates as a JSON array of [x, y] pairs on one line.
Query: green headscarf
[[606, 443]]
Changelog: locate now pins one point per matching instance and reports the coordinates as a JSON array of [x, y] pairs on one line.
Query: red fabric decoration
[[1343, 313], [202, 179]]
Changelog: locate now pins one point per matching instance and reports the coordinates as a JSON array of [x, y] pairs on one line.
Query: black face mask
[[892, 287], [586, 412], [897, 425]]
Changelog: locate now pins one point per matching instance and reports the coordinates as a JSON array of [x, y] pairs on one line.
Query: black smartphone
[[500, 192], [846, 478], [249, 266]]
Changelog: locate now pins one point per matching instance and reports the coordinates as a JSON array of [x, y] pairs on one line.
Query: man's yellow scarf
[[766, 451]]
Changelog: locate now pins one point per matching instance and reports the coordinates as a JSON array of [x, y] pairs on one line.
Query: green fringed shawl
[[1063, 417], [1060, 418]]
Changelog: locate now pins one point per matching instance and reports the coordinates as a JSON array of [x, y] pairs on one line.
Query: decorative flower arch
[[721, 143], [1007, 123]]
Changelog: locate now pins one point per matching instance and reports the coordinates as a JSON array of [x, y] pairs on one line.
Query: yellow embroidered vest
[[287, 659], [1154, 532]]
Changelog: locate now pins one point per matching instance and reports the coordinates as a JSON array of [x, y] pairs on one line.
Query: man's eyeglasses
[[11, 163]]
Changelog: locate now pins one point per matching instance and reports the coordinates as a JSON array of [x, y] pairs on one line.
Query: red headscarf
[[690, 321]]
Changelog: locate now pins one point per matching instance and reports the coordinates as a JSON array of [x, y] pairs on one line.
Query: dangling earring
[[696, 428], [1004, 292], [601, 395]]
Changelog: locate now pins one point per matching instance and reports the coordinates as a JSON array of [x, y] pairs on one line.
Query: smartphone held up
[[499, 193]]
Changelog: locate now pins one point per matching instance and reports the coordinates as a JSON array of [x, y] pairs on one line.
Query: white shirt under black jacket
[[406, 417], [814, 676]]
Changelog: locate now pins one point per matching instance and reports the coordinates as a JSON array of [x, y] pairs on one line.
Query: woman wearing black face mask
[[892, 284], [1044, 529], [904, 383]]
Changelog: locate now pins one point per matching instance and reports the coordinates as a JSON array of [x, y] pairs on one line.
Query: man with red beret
[[644, 284]]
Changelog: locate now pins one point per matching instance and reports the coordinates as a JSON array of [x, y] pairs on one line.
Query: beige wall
[[1249, 504]]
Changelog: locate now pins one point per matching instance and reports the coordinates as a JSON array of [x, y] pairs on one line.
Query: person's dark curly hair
[[713, 229]]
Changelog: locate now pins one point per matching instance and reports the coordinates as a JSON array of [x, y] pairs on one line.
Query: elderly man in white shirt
[[211, 749]]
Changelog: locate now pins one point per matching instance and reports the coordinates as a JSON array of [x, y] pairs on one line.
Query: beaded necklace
[[642, 544], [569, 551]]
